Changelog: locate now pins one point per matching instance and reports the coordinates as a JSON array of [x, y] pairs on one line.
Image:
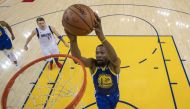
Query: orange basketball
[[78, 19]]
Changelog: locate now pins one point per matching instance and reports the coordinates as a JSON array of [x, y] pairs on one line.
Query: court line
[[168, 76], [143, 60], [60, 71], [150, 24], [167, 59], [174, 83], [124, 102], [5, 6], [124, 67], [103, 5], [128, 35], [36, 17], [154, 51], [128, 104], [151, 6], [181, 61], [162, 42]]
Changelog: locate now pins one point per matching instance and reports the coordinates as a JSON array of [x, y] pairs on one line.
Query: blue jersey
[[3, 34], [5, 42], [105, 81]]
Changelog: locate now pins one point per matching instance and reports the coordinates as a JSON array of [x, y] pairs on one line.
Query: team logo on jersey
[[48, 35], [105, 81]]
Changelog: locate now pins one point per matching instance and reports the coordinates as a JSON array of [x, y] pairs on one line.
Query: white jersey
[[46, 37]]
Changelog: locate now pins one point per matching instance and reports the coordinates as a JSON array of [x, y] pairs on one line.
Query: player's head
[[101, 55], [41, 22]]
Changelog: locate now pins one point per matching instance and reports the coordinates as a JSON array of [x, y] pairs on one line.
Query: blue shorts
[[107, 101], [5, 44]]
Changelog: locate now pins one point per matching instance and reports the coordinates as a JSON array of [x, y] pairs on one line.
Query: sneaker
[[59, 64], [51, 65], [18, 67]]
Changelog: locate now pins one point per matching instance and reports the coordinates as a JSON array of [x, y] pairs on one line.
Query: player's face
[[41, 24], [101, 56]]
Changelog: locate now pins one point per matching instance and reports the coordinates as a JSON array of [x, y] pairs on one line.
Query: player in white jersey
[[47, 40]]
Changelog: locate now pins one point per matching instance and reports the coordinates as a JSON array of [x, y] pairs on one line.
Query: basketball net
[[35, 86]]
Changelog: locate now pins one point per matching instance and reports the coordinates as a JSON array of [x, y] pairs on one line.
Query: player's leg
[[47, 52], [8, 51], [55, 50]]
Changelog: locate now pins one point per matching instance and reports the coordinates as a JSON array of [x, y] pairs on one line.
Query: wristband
[[103, 40], [60, 37]]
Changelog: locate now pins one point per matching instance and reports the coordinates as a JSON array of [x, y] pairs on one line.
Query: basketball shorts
[[5, 44], [107, 101]]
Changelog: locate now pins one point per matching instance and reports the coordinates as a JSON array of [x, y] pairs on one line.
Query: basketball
[[78, 19]]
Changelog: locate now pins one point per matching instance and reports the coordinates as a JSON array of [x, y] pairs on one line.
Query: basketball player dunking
[[5, 42], [47, 40], [104, 69]]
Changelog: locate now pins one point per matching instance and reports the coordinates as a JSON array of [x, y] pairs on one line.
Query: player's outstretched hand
[[98, 25]]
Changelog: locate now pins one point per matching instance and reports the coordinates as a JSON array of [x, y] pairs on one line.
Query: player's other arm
[[88, 62], [29, 39], [3, 23], [59, 36], [109, 48]]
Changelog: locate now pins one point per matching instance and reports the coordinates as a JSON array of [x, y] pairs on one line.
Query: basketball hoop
[[77, 93]]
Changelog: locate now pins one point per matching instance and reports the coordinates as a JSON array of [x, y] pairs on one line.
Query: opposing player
[[5, 42], [47, 40], [104, 69]]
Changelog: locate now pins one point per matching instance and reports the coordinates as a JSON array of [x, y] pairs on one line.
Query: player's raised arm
[[29, 39], [109, 48], [88, 62]]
